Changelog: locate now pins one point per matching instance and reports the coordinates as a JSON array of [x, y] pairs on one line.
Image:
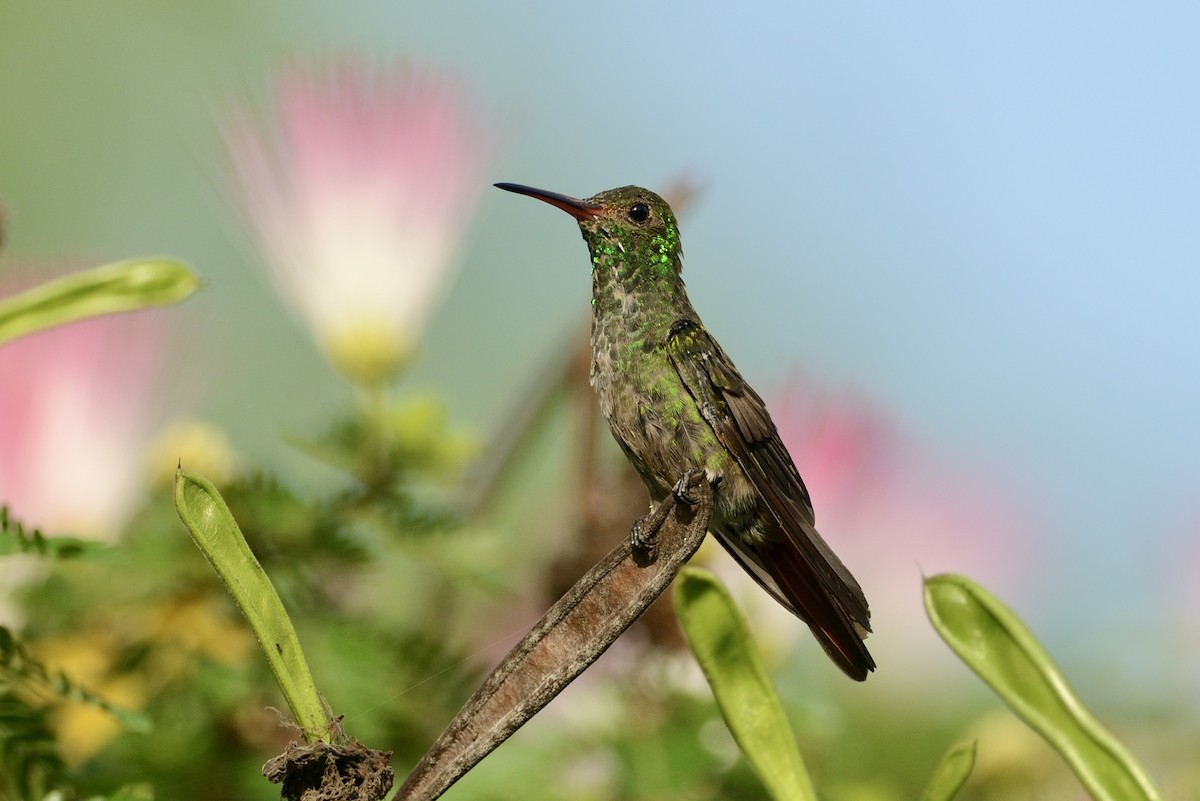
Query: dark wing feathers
[[741, 423]]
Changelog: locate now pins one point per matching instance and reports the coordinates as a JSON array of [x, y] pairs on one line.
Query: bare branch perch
[[572, 635]]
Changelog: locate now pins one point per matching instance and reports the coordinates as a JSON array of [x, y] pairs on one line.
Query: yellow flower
[[199, 446]]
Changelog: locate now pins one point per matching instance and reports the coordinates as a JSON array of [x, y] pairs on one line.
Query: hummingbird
[[675, 402]]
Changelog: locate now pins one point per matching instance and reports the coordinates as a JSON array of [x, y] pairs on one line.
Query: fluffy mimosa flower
[[77, 407], [896, 511], [359, 191]]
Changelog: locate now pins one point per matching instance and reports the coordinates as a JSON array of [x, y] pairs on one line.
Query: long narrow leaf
[[1004, 653], [215, 532], [110, 288], [951, 773], [730, 660]]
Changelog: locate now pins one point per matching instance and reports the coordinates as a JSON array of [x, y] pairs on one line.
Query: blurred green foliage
[[386, 584], [151, 615]]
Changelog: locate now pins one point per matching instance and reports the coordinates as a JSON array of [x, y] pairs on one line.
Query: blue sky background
[[983, 219]]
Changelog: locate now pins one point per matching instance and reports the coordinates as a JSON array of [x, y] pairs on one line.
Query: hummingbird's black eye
[[639, 212]]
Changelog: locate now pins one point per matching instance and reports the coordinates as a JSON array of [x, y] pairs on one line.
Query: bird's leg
[[643, 536]]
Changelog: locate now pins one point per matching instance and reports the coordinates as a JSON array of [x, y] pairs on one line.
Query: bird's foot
[[643, 536], [680, 490], [692, 478]]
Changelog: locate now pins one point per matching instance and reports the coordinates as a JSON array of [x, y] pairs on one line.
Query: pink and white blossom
[[895, 511], [359, 188], [77, 407]]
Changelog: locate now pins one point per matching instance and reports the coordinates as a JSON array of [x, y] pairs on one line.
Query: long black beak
[[579, 209]]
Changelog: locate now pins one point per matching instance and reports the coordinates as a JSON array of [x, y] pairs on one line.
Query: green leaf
[[1004, 653], [951, 773], [215, 532], [110, 288], [726, 652]]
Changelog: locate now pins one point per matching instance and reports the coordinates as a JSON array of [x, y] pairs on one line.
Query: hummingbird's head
[[629, 226]]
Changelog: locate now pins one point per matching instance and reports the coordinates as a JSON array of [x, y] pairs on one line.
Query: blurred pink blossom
[[359, 190], [77, 408], [896, 511], [1177, 603]]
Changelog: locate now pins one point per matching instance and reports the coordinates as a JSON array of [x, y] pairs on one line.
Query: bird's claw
[[690, 479], [680, 490], [643, 535]]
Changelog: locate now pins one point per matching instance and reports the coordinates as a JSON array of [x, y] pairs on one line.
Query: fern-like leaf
[[29, 763], [19, 669], [14, 538]]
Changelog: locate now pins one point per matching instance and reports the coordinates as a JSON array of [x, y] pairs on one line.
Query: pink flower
[[359, 193], [77, 407], [1177, 605], [895, 511]]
